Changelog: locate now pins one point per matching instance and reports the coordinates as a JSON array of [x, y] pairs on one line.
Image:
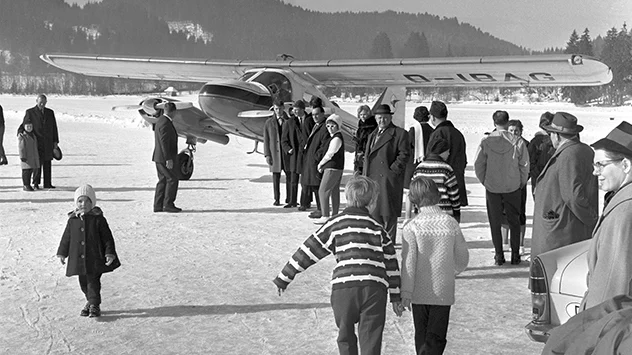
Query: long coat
[[305, 129], [566, 199], [165, 141], [27, 147], [610, 251], [385, 162], [291, 140], [458, 156], [315, 149], [272, 144], [85, 242], [45, 128]]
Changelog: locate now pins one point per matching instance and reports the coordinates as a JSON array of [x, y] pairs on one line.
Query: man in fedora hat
[[385, 157], [45, 128], [444, 129], [610, 251], [566, 196]]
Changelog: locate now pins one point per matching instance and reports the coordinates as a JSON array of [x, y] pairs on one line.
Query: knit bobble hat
[[88, 191]]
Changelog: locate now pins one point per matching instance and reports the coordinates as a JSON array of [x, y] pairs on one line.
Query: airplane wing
[[508, 71]]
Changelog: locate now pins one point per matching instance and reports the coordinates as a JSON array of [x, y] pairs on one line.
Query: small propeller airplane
[[237, 95]]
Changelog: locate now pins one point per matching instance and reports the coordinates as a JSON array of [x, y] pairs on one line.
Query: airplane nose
[[224, 101]]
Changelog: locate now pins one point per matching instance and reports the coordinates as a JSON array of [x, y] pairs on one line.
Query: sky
[[534, 24]]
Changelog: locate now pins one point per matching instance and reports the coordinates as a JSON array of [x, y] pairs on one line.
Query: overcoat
[[165, 141], [291, 141], [86, 241], [610, 251], [27, 147], [385, 162], [45, 128], [315, 149], [272, 144], [566, 199], [306, 128], [458, 156]]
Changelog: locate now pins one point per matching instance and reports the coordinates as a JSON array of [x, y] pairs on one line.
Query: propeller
[[255, 114], [152, 105]]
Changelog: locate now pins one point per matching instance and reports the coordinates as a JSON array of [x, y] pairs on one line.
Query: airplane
[[236, 96]]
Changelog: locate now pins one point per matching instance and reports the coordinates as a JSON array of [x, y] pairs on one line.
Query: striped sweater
[[364, 253], [442, 174]]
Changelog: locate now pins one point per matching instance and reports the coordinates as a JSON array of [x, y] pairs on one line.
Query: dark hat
[[618, 140], [421, 114], [57, 154], [438, 109], [439, 146], [299, 104], [565, 123], [27, 120], [383, 109]]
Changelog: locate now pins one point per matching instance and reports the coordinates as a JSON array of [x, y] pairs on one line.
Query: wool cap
[[88, 191], [565, 123], [618, 140], [336, 119], [438, 109]]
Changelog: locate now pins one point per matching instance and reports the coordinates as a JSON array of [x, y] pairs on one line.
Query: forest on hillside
[[243, 29]]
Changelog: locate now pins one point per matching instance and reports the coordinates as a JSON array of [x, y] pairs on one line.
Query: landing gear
[[185, 162]]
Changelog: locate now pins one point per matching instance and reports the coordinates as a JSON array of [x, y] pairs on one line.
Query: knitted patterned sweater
[[433, 252], [364, 253], [442, 174]]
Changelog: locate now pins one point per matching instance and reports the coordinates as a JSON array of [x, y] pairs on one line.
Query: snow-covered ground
[[199, 282]]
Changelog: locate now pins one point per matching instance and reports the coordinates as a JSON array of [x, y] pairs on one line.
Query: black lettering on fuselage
[[542, 77], [480, 77], [512, 77], [416, 78]]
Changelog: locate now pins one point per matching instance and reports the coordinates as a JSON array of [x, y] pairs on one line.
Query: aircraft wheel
[[185, 166]]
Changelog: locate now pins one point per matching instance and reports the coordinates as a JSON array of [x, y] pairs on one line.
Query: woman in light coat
[[610, 251]]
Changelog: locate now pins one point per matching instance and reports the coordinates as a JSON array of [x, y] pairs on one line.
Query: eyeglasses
[[598, 166]]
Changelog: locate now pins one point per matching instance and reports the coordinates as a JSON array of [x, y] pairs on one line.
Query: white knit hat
[[88, 191], [337, 120]]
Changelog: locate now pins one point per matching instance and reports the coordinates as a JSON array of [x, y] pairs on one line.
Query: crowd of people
[[424, 166]]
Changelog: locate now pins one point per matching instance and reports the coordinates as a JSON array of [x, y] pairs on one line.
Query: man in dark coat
[[366, 125], [276, 159], [166, 157], [566, 197], [306, 123], [444, 129], [3, 157], [292, 143], [45, 128], [315, 148], [386, 155]]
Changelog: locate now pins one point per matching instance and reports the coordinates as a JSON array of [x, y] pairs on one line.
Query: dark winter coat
[[27, 147], [385, 163], [365, 128], [458, 156], [86, 241], [315, 149], [165, 141], [566, 199], [291, 141], [45, 128], [540, 151], [272, 144], [306, 128]]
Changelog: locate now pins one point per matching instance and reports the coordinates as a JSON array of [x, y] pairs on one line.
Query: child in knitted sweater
[[433, 252]]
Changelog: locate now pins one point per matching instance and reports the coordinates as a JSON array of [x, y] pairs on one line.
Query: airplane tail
[[395, 97]]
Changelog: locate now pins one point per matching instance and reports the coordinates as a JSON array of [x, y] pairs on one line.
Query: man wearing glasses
[[566, 194]]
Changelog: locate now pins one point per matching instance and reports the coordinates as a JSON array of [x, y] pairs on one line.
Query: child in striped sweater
[[366, 268], [433, 252]]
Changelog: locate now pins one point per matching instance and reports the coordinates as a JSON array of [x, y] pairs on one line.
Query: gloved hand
[[269, 160]]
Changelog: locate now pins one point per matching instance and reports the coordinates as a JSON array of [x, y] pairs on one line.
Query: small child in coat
[[433, 252], [366, 269], [88, 244], [29, 156]]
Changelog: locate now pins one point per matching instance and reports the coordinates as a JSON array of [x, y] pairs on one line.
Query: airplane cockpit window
[[278, 84], [247, 76]]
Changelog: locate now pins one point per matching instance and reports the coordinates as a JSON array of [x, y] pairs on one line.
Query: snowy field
[[199, 282]]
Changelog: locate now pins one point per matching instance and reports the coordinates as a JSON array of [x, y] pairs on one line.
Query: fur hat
[[88, 191], [618, 140], [383, 109], [438, 109], [565, 123]]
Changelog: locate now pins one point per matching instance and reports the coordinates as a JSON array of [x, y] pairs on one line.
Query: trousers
[[431, 328], [510, 204], [166, 188], [91, 287], [330, 187]]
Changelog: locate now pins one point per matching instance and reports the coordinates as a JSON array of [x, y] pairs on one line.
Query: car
[[557, 280]]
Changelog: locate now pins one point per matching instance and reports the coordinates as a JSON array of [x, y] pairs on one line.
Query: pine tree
[[381, 47], [416, 46], [584, 46], [572, 44]]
